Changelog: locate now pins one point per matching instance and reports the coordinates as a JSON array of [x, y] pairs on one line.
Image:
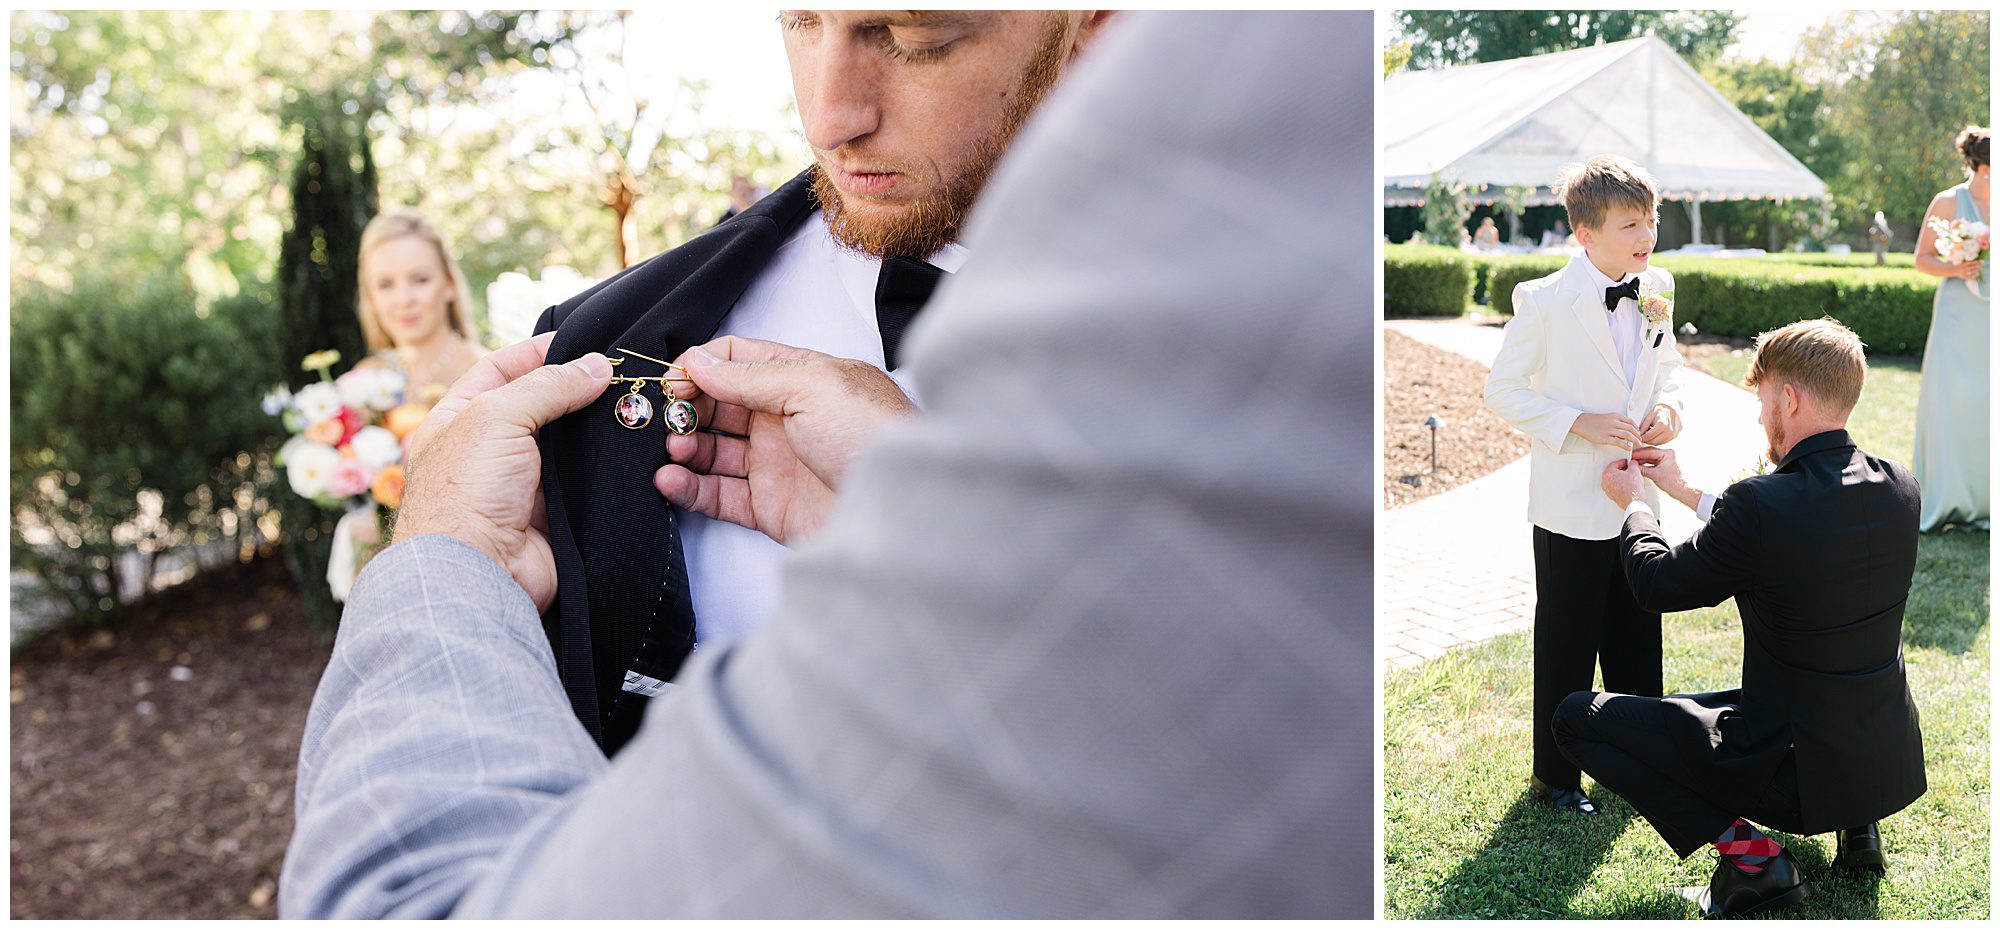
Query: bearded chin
[[914, 230], [920, 228]]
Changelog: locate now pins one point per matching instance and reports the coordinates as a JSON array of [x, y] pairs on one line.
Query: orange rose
[[404, 419], [388, 486], [326, 432]]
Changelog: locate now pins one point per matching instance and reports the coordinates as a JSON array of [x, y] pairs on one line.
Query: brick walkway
[[1456, 569]]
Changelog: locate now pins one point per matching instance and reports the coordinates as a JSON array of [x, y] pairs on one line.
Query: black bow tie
[[901, 289], [1615, 291]]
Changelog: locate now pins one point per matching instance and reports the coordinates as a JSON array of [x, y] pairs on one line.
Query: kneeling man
[[1823, 734]]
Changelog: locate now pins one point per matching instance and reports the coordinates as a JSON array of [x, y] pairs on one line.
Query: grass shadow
[[1534, 862], [1837, 894], [1949, 598]]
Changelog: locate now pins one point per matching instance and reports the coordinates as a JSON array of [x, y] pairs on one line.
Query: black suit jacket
[[615, 539], [1819, 556]]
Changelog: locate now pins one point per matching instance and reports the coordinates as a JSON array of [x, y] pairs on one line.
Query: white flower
[[309, 466], [371, 388], [291, 447], [317, 401], [276, 401], [376, 447]]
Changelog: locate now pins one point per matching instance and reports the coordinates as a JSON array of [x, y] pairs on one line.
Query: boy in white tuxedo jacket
[[1589, 368]]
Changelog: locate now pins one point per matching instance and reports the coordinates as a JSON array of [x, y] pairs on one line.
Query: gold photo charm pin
[[635, 410]]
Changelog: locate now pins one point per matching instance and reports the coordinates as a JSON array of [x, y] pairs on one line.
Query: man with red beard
[[906, 113]]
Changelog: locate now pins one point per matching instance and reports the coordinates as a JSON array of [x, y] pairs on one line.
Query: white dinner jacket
[[1556, 363]]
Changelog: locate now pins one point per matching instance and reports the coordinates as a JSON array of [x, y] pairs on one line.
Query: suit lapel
[[1588, 307], [615, 540]]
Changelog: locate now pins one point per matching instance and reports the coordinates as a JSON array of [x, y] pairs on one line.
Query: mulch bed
[[152, 762], [1419, 380]]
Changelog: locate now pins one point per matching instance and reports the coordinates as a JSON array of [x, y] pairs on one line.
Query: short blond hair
[[396, 223], [1821, 358], [1589, 190]]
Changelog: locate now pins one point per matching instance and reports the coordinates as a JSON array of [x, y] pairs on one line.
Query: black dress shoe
[[1564, 799], [1861, 850], [1732, 893]]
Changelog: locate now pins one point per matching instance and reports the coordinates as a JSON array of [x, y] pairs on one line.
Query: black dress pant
[[1585, 615], [1633, 746]]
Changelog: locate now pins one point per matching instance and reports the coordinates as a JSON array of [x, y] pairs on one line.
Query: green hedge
[[1859, 259], [1511, 270], [1890, 308], [1427, 280], [126, 392]]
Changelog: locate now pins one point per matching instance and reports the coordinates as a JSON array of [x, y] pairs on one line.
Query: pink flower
[[349, 478]]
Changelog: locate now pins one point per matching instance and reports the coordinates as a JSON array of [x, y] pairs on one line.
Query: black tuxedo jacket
[[1819, 556], [615, 539]]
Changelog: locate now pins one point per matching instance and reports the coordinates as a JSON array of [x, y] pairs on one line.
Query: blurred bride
[[415, 307], [416, 312]]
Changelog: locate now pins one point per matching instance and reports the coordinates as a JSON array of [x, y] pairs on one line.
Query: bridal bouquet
[[346, 453], [1958, 241]]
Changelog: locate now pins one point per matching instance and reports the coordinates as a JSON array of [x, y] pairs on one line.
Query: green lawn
[[1885, 422], [1463, 838]]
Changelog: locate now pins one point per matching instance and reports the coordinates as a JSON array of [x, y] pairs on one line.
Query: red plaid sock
[[1746, 847]]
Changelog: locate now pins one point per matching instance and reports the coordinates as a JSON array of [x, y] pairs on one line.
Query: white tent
[[1516, 122]]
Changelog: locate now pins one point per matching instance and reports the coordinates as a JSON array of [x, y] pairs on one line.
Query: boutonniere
[[1658, 306]]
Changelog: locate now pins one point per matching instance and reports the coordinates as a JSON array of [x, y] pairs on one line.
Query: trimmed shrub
[[1511, 270], [1889, 308], [1890, 313], [333, 197], [1727, 298], [1426, 280], [136, 426], [1859, 259]]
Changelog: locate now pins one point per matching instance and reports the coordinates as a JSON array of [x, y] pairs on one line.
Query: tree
[[1445, 211], [150, 139], [1925, 82], [333, 197], [1799, 115], [143, 140], [1514, 201], [1439, 38], [1395, 57]]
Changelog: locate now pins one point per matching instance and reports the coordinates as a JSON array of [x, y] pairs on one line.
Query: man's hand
[[1661, 426], [1621, 482], [1659, 467], [785, 424], [1607, 429], [475, 470]]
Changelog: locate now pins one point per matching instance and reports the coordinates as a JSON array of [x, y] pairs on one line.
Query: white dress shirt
[[1626, 322], [817, 295]]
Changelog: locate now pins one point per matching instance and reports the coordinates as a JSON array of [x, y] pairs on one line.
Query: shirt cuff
[[1705, 507], [1638, 506]]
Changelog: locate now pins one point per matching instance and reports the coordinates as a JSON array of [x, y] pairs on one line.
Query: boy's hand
[[1607, 429], [1661, 426]]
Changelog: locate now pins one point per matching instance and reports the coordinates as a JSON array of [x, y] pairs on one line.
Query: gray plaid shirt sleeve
[[439, 735]]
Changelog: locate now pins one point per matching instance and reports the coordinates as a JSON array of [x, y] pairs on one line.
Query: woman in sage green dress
[[1953, 403]]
